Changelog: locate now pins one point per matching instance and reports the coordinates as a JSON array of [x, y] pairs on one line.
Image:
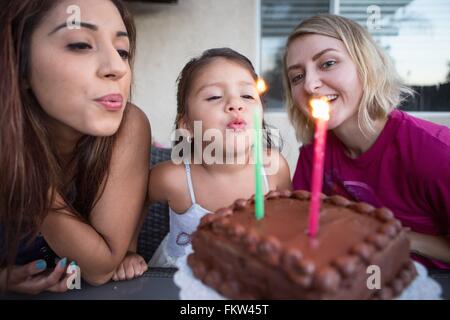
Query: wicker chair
[[156, 223]]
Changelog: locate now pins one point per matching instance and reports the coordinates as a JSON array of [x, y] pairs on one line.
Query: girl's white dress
[[182, 225]]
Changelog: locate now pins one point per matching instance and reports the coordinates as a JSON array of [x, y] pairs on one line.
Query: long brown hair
[[31, 173]]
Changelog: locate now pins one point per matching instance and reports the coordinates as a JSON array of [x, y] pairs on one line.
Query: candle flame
[[261, 86], [320, 108]]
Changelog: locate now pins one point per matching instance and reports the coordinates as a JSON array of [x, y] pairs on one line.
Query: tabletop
[[158, 284], [155, 284]]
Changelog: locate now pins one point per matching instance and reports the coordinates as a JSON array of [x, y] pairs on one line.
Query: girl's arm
[[163, 181], [99, 247], [435, 247]]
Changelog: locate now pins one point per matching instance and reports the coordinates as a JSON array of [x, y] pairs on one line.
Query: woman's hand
[[132, 266], [34, 278], [431, 246]]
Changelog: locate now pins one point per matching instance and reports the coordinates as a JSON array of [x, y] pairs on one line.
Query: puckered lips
[[237, 124], [111, 102]]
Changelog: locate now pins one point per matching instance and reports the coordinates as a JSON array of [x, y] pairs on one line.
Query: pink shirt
[[406, 170]]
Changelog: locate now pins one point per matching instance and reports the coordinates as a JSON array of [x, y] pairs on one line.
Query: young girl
[[73, 153], [375, 153], [218, 92]]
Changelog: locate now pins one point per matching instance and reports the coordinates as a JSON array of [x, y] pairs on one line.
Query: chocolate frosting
[[351, 235]]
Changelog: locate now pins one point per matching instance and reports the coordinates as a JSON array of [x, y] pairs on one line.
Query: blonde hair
[[382, 88]]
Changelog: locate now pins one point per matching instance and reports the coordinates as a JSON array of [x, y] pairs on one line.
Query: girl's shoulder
[[169, 170], [168, 177], [276, 166], [273, 157], [168, 183]]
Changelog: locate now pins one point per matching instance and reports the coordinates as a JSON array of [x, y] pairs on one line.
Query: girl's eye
[[79, 46], [124, 54], [247, 96], [297, 78], [328, 64], [213, 98]]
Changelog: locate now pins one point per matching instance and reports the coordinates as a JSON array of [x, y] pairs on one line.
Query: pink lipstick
[[111, 102]]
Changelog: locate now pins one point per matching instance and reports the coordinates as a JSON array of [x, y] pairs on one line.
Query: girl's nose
[[231, 108], [234, 104]]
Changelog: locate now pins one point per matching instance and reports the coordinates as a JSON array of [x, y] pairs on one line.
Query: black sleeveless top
[[28, 252]]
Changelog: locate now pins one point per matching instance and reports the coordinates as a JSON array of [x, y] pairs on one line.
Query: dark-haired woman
[[73, 151]]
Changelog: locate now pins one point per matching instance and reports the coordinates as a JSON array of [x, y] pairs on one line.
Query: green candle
[[257, 148]]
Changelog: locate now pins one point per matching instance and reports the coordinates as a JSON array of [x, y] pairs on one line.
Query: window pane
[[415, 35], [279, 17]]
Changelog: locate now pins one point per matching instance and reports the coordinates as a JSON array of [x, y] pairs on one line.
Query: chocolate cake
[[274, 258]]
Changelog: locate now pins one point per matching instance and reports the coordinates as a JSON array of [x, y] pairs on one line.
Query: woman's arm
[[100, 246], [302, 175], [435, 247], [433, 183]]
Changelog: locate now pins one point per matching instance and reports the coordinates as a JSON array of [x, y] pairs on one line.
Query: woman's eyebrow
[[317, 55], [314, 58], [88, 26], [82, 24], [294, 67]]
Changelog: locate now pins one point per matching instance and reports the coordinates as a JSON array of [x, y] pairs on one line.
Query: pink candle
[[321, 112]]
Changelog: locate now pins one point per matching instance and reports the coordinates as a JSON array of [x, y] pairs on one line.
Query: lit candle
[[321, 112], [261, 86], [257, 149]]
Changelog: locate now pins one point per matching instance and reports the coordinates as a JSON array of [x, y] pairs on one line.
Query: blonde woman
[[375, 152]]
